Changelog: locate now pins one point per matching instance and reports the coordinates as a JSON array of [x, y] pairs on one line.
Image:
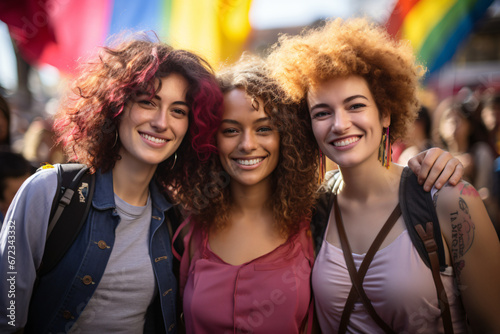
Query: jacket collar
[[159, 200], [103, 194], [104, 197]]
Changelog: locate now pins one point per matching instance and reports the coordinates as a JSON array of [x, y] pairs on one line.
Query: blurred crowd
[[466, 124], [26, 142]]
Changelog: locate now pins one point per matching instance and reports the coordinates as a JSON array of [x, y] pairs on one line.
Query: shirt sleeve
[[22, 243]]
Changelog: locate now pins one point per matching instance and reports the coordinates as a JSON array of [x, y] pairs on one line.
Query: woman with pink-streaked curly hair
[[141, 116]]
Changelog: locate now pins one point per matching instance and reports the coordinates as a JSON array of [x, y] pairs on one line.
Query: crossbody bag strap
[[358, 277], [431, 247]]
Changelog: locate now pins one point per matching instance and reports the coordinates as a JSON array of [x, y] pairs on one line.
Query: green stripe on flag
[[443, 30]]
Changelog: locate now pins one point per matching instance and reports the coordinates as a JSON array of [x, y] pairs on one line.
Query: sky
[[266, 14]]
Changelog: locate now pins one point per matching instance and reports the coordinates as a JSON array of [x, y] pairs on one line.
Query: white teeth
[[249, 162], [153, 139], [345, 142]]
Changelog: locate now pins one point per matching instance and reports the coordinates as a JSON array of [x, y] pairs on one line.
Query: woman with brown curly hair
[[130, 116], [360, 89], [248, 256]]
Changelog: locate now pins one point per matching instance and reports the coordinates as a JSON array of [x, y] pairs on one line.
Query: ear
[[385, 120]]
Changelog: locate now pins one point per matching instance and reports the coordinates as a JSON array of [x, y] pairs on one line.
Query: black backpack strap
[[423, 227], [324, 204], [69, 212], [418, 209]]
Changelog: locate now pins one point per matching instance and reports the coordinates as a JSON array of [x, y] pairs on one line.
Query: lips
[[345, 141], [155, 140]]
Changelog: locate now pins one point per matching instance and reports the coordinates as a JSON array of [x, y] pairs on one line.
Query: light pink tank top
[[398, 283]]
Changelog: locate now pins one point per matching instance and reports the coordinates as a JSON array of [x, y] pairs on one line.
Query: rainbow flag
[[59, 32], [435, 28]]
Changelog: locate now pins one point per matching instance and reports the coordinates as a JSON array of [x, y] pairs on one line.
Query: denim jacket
[[63, 293]]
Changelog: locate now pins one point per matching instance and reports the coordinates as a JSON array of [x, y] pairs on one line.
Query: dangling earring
[[175, 160], [385, 150], [322, 167], [116, 139]]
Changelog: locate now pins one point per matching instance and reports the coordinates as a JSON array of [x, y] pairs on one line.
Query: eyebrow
[[350, 98], [181, 103], [157, 97], [347, 100], [259, 120], [319, 105]]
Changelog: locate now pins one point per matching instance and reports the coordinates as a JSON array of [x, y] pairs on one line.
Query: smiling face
[[151, 129], [346, 121], [248, 143]]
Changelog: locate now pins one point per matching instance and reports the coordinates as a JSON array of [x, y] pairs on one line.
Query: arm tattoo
[[462, 234], [467, 189]]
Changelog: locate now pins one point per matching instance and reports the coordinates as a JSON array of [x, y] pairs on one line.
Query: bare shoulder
[[458, 199]]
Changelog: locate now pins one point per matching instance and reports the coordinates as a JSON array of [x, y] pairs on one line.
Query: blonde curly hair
[[344, 48]]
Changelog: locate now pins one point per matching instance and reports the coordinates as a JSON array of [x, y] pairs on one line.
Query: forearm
[[475, 252]]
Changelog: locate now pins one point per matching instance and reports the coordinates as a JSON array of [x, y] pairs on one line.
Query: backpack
[[67, 208], [421, 221], [69, 212]]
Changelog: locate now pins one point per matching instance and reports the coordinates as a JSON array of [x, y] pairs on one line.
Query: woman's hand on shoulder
[[436, 167], [475, 251]]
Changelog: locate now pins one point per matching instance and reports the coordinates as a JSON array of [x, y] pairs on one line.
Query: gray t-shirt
[[128, 286]]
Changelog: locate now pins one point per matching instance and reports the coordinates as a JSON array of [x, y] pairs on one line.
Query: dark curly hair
[[352, 47], [293, 179], [88, 118]]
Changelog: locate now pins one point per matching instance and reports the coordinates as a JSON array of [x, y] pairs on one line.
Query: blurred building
[[476, 63]]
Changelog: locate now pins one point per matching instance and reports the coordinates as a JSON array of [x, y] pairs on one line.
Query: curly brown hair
[[294, 177], [352, 47], [87, 121]]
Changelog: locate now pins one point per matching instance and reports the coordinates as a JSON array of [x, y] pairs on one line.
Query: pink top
[[398, 283], [270, 294]]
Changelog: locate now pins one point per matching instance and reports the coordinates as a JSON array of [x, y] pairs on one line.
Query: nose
[[159, 121], [248, 142], [341, 121]]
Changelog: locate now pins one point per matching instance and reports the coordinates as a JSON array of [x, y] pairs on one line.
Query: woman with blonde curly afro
[[360, 88], [248, 254], [131, 116]]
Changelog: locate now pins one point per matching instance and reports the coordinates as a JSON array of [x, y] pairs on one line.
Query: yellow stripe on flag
[[193, 26], [234, 27], [215, 29], [423, 17]]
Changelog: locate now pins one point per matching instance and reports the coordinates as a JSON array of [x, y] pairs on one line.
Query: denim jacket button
[[102, 244], [67, 315], [87, 279]]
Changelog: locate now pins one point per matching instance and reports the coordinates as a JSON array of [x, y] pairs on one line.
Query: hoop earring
[[322, 167], [385, 150], [175, 160], [116, 139]]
